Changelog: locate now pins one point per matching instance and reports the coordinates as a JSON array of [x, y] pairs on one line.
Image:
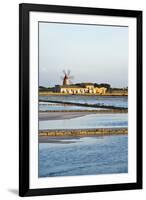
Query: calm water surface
[[104, 100], [84, 156], [50, 106], [88, 121]]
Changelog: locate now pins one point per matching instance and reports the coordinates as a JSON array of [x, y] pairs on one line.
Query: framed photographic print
[[80, 100]]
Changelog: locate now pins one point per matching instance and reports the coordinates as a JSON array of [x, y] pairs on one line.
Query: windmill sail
[[67, 78]]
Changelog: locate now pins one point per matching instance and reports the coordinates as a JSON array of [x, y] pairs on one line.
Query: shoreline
[[83, 132], [85, 94], [86, 111], [101, 106], [57, 115]]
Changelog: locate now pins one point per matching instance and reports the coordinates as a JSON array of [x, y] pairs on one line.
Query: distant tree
[[78, 84], [106, 85], [42, 87], [96, 85]]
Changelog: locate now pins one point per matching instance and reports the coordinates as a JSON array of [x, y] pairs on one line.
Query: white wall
[[9, 97]]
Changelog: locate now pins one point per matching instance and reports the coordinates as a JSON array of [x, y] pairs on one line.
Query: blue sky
[[93, 53]]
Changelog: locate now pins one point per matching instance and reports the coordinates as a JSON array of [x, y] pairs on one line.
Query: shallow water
[[84, 156], [88, 121], [104, 100], [49, 107]]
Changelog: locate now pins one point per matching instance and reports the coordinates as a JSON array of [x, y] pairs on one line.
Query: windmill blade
[[64, 72], [68, 72]]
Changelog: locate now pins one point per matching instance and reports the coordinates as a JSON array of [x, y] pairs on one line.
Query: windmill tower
[[67, 78]]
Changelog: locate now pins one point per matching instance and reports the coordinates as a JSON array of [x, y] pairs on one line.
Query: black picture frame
[[24, 10]]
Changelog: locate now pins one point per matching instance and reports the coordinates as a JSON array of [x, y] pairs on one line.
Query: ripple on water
[[88, 155]]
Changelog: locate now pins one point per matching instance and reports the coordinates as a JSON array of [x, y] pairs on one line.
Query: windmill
[[67, 78]]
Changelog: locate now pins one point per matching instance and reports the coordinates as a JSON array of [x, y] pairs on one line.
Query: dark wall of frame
[[24, 9]]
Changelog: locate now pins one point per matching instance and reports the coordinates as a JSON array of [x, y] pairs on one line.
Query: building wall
[[90, 90]]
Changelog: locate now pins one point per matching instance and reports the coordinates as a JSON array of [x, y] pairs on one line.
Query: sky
[[92, 53]]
